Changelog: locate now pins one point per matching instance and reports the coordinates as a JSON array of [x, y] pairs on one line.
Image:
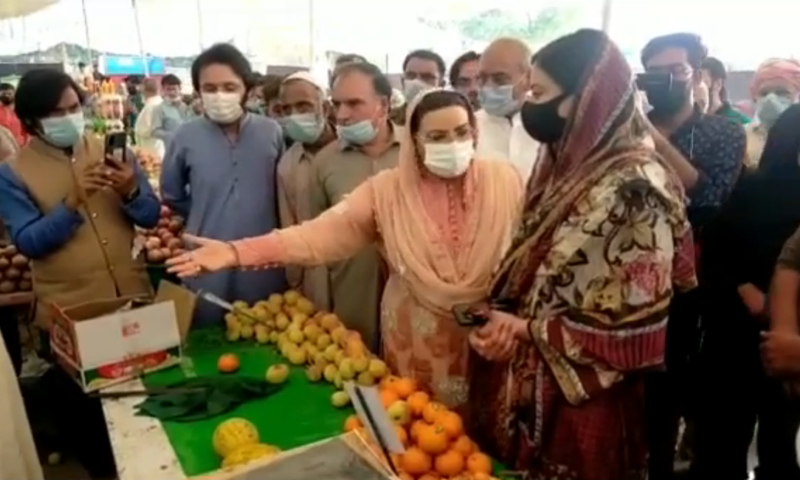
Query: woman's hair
[[437, 100], [570, 59], [38, 94], [782, 149], [223, 54]]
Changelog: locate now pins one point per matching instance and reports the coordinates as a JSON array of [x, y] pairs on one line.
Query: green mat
[[299, 414]]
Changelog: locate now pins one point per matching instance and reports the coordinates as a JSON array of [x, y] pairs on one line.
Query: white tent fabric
[[20, 8]]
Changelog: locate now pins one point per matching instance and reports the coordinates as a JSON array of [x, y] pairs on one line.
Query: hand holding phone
[[471, 314], [116, 145]]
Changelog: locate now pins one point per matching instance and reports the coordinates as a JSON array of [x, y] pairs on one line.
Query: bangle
[[235, 254]]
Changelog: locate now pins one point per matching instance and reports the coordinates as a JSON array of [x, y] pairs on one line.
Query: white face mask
[[449, 160], [223, 107]]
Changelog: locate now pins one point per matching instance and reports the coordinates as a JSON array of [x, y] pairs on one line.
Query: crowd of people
[[631, 241]]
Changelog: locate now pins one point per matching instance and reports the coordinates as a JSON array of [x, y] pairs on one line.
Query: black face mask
[[542, 121], [5, 100], [667, 100]]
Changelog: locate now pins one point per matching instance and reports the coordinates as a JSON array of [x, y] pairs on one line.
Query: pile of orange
[[436, 446]]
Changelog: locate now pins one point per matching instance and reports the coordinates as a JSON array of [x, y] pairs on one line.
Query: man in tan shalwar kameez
[[367, 144]]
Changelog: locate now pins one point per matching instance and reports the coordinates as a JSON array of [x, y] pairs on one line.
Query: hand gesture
[[121, 176], [780, 353], [212, 256], [497, 340], [90, 180]]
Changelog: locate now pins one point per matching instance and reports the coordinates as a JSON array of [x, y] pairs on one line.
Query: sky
[[173, 27]]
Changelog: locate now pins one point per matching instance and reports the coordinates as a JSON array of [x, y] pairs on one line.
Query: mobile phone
[[470, 315], [651, 81], [116, 144]]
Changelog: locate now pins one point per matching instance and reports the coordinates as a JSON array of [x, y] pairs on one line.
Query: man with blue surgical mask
[[361, 95], [422, 70], [306, 115], [504, 84]]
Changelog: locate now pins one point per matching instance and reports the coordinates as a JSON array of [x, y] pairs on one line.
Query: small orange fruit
[[404, 476], [433, 440], [479, 463], [417, 401], [481, 476], [228, 363], [449, 464], [451, 423], [415, 429], [388, 397], [464, 446], [404, 387], [352, 423], [415, 462], [401, 434], [432, 410], [430, 476], [388, 381]]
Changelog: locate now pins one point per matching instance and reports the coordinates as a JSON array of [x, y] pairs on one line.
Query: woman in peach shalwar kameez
[[442, 222]]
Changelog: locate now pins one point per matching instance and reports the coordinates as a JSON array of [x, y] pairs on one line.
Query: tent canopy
[[20, 8]]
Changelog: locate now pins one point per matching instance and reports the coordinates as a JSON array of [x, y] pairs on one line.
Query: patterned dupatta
[[606, 132], [605, 135]]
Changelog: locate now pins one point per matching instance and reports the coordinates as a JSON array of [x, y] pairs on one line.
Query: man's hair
[[696, 52], [455, 68], [170, 80], [718, 72], [349, 58], [223, 54], [150, 86], [6, 86], [428, 55], [380, 83], [716, 68], [271, 86], [38, 95]]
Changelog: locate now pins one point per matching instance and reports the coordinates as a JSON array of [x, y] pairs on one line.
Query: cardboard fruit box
[[346, 457], [109, 341]]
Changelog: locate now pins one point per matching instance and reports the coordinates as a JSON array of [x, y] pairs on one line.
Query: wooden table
[[141, 447]]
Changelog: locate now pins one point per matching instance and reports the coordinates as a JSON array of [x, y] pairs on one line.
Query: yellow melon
[[233, 434], [248, 453]]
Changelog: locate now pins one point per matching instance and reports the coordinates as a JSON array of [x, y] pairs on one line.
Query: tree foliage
[[533, 28]]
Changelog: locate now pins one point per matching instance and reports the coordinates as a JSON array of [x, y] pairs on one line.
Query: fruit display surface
[[298, 415], [283, 330]]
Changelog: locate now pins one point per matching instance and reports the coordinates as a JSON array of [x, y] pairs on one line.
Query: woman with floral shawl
[[580, 300], [442, 221]]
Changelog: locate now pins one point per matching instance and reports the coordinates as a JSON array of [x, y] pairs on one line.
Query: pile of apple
[[164, 241], [15, 270]]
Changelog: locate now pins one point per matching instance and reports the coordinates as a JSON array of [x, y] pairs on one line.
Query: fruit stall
[[290, 365], [15, 277]]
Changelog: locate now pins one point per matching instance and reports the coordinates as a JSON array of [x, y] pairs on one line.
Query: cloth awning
[[21, 8]]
